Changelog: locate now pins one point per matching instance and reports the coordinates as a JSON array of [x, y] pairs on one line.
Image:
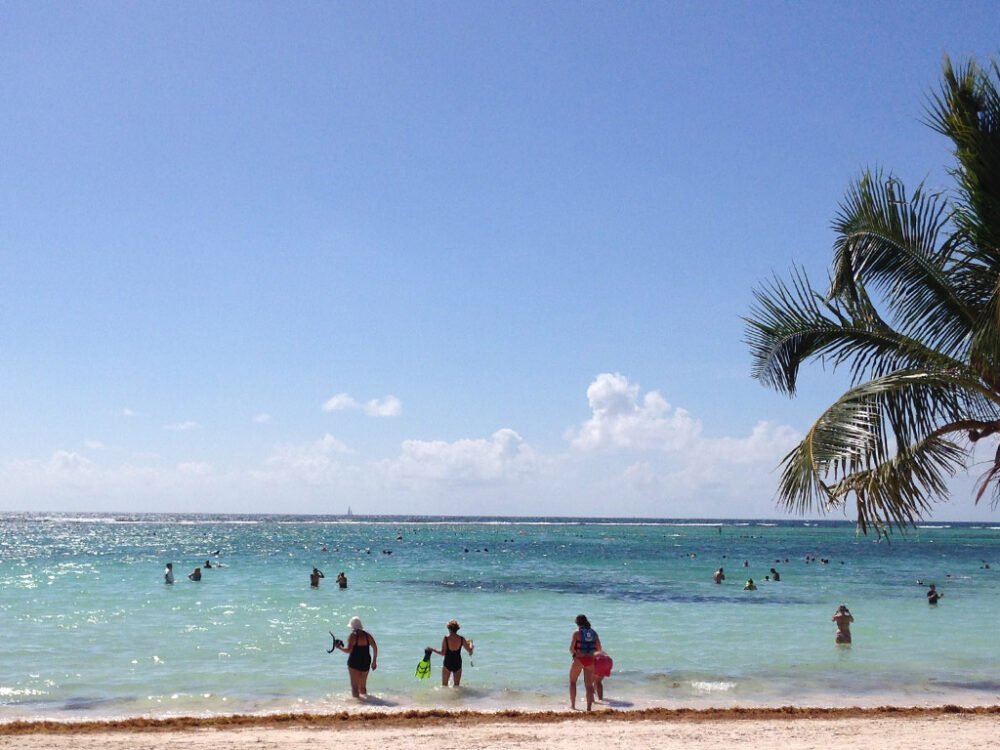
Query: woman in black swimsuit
[[451, 649], [362, 656]]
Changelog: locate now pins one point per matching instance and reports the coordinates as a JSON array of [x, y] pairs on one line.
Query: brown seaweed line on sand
[[433, 717]]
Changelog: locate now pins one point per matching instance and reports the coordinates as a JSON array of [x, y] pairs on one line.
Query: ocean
[[90, 631]]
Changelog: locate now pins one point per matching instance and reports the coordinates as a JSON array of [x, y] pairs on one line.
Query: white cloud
[[67, 462], [640, 474], [340, 402], [129, 413], [314, 462], [94, 445], [503, 457], [657, 460], [619, 420], [387, 406], [767, 442], [195, 468], [68, 481], [261, 418], [182, 426]]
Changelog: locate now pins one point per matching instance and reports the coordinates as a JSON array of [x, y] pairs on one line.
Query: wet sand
[[886, 728]]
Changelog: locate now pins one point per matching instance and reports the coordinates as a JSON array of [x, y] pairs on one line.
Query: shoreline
[[465, 718]]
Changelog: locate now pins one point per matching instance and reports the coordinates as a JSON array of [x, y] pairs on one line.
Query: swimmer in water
[[315, 576], [719, 576]]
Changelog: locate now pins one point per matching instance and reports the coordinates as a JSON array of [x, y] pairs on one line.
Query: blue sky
[[436, 257]]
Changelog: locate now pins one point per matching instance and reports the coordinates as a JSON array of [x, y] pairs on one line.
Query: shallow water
[[91, 631]]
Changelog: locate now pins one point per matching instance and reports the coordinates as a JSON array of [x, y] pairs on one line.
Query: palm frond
[[880, 431], [788, 324], [792, 323], [901, 247], [898, 492], [967, 111]]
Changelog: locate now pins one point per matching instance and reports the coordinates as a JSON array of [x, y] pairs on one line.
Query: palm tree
[[913, 313]]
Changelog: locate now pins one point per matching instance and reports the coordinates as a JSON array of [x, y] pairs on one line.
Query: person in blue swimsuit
[[362, 657], [584, 645], [451, 649]]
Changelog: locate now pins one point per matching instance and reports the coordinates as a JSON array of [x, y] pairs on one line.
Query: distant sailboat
[[349, 514]]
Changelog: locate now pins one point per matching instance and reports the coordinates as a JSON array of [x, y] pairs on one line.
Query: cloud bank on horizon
[[635, 455]]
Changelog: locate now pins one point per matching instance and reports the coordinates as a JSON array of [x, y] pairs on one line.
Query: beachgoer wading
[[451, 649], [584, 644], [843, 618], [362, 657], [933, 594]]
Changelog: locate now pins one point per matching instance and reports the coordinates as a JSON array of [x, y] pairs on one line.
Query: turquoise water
[[90, 631]]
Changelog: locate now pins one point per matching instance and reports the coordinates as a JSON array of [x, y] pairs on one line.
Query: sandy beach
[[788, 728]]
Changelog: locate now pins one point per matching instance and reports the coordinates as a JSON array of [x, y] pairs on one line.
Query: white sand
[[878, 732]]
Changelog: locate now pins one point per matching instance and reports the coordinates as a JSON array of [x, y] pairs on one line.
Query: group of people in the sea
[[588, 656], [317, 574], [842, 617], [589, 659], [195, 575]]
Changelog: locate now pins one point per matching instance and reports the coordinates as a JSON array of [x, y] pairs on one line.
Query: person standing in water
[[719, 576], [168, 573], [362, 657], [342, 580], [451, 649], [843, 618], [584, 644], [933, 594], [315, 576]]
